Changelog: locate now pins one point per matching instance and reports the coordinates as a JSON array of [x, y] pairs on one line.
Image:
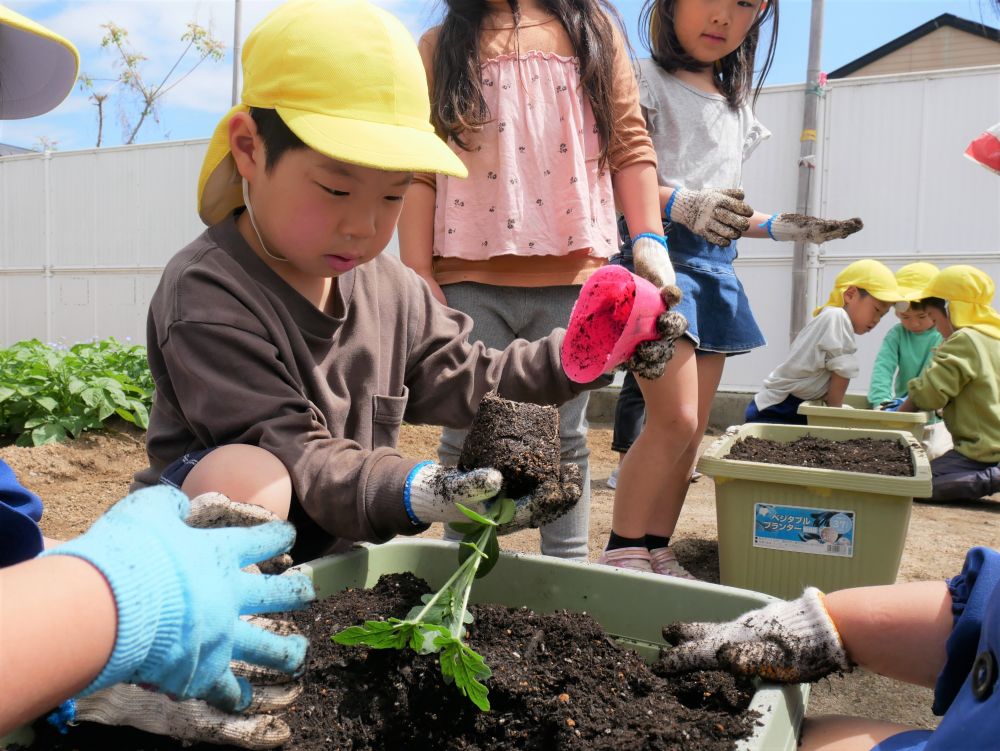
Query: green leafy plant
[[49, 393], [438, 626]]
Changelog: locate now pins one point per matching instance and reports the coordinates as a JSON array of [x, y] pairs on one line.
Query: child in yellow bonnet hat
[[963, 379], [286, 348], [823, 359], [907, 347]]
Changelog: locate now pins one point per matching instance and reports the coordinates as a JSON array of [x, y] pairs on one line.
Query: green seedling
[[438, 626]]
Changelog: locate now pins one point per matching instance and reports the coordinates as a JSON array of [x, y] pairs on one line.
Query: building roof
[[7, 149], [945, 19]]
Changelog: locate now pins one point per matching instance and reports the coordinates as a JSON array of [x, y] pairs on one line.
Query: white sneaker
[[613, 479], [664, 562], [636, 559]]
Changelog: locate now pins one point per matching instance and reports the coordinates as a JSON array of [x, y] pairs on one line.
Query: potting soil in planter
[[559, 682], [875, 456]]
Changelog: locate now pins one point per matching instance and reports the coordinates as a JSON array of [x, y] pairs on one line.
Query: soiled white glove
[[793, 227], [432, 490], [192, 720], [788, 642], [720, 216], [652, 262]]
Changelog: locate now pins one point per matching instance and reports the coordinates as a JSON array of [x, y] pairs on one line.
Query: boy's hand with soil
[[787, 642], [512, 451]]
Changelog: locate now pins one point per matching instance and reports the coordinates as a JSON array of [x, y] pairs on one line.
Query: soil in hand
[[871, 455], [520, 440]]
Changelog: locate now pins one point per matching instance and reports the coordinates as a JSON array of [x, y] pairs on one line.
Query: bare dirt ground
[[80, 479]]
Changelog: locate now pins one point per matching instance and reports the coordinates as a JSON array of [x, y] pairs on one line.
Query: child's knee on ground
[[248, 474]]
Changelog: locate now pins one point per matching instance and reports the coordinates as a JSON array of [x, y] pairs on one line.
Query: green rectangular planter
[[861, 416], [783, 528], [631, 606]]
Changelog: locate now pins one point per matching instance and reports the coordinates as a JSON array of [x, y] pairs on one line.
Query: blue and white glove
[[810, 229], [180, 591], [652, 263], [719, 216], [432, 490]]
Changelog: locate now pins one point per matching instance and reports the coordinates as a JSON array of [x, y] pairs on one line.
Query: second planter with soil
[[783, 528]]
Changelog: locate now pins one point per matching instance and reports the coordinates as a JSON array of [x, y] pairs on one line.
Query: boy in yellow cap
[[907, 347], [823, 359], [963, 379], [286, 349]]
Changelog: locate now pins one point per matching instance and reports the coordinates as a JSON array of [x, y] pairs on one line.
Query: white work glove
[[719, 216], [195, 720], [649, 360], [811, 229], [432, 490], [652, 262], [788, 642]]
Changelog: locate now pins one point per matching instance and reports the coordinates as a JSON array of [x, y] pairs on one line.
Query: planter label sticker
[[804, 530]]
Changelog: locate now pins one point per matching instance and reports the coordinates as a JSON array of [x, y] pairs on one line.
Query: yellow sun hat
[[913, 277], [38, 67], [868, 274], [969, 292], [346, 78]]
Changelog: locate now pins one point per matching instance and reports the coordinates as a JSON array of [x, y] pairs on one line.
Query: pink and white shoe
[[635, 559], [664, 562]]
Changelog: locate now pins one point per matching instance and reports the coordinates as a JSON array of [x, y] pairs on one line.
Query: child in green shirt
[[963, 379], [907, 348]]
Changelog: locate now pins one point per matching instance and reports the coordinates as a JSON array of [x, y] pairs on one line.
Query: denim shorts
[[714, 303], [175, 473]]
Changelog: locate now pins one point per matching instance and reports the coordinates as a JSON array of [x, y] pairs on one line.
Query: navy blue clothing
[[20, 512], [783, 413], [966, 692]]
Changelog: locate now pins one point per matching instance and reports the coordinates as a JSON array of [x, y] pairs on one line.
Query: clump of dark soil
[[559, 682], [871, 455], [520, 440]]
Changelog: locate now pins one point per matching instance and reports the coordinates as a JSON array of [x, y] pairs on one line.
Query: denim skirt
[[714, 303]]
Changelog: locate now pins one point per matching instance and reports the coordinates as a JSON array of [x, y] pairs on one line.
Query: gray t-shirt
[[700, 141]]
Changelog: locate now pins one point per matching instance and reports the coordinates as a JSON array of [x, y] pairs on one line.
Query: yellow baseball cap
[[913, 277], [868, 274], [38, 67], [969, 292], [346, 78]]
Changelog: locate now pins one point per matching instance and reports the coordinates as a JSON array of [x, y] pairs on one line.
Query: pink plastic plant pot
[[616, 311]]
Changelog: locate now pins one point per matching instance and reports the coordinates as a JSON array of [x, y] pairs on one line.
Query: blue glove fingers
[[259, 646], [229, 693], [254, 544], [272, 594], [158, 501]]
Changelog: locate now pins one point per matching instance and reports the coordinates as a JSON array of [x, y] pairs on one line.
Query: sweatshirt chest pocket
[[387, 417]]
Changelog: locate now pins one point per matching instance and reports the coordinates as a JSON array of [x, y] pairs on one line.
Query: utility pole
[[805, 258], [237, 52]]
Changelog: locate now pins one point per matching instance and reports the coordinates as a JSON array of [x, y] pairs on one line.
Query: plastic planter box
[[631, 606], [783, 528], [862, 416]]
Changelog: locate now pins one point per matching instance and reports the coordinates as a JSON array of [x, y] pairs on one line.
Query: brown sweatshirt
[[238, 356]]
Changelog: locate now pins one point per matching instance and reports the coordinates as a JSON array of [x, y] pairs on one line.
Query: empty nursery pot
[[616, 311]]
